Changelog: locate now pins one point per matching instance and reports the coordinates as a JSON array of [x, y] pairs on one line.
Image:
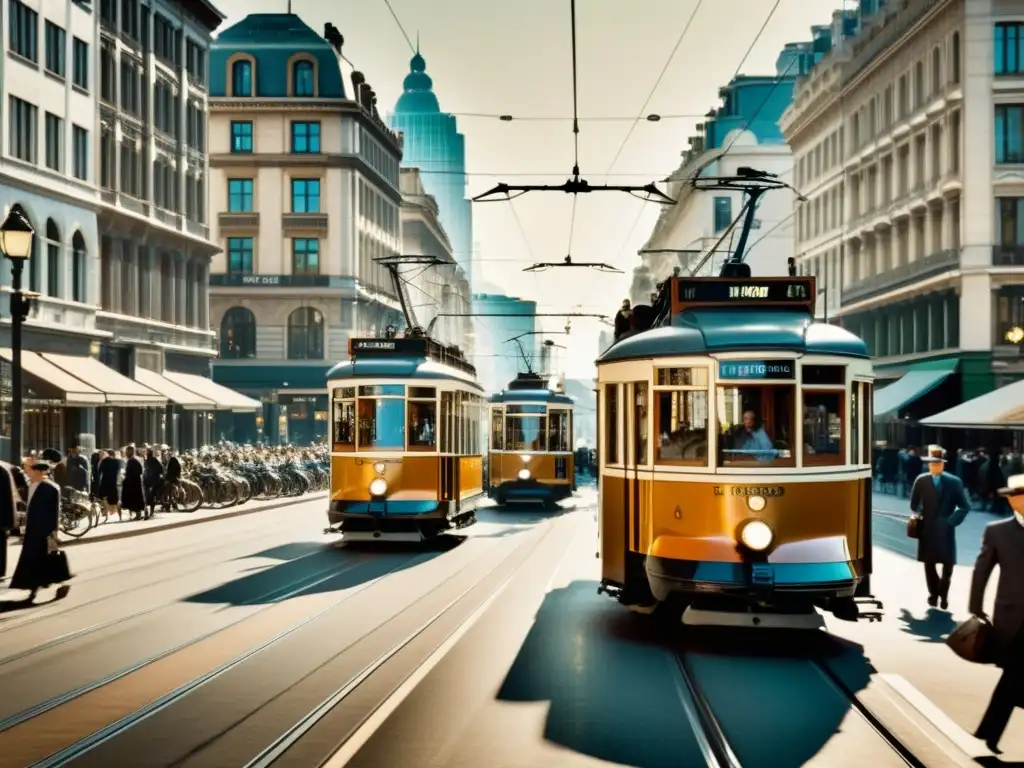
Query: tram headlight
[[379, 467], [378, 486], [524, 474], [757, 535], [756, 503]]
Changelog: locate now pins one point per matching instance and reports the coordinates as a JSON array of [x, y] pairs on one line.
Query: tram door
[[635, 448]]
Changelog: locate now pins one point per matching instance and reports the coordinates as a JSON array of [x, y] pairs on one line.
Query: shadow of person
[[933, 627], [9, 606], [994, 762], [616, 691]]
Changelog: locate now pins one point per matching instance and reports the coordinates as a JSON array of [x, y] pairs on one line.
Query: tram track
[[123, 725], [706, 729]]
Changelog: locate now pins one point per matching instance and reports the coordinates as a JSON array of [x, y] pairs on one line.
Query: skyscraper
[[434, 145]]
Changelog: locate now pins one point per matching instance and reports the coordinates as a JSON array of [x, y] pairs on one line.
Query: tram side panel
[[614, 530], [471, 476]]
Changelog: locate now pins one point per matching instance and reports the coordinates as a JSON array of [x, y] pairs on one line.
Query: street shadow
[[995, 762], [933, 627], [616, 692], [287, 552]]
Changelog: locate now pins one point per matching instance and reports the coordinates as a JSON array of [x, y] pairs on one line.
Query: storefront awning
[[51, 383], [224, 399], [1002, 408], [915, 383], [177, 394], [119, 391]]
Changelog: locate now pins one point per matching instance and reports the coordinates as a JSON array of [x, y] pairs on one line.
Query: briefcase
[[914, 526], [971, 640], [57, 569]]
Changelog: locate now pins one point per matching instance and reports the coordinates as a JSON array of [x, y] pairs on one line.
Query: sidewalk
[[114, 529]]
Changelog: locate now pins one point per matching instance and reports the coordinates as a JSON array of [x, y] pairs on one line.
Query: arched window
[[305, 334], [78, 267], [238, 334], [241, 78], [52, 258], [302, 78]]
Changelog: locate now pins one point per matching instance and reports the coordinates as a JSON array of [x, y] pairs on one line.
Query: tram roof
[[707, 331], [400, 368], [531, 396]]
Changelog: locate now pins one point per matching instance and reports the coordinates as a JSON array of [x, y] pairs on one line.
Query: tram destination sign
[[757, 369], [796, 291], [411, 347]]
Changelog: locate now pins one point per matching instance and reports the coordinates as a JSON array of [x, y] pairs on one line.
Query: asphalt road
[[258, 641]]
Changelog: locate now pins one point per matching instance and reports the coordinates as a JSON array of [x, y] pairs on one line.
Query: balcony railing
[[1008, 255], [307, 221], [239, 220], [904, 275]]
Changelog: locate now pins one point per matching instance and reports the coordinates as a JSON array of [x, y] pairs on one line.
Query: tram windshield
[[382, 417], [756, 425]]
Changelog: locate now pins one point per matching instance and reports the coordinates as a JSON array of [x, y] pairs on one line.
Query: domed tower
[[434, 145]]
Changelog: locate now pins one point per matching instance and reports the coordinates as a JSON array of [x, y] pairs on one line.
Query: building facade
[[498, 318], [907, 222], [437, 295], [433, 144], [78, 83], [304, 198]]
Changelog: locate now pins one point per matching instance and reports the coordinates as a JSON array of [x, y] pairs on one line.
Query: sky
[[490, 58]]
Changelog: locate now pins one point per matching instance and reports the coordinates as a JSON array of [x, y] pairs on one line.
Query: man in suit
[[941, 501], [1003, 545], [8, 507]]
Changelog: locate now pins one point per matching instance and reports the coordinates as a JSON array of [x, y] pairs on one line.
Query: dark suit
[[8, 506], [1002, 545], [941, 510]]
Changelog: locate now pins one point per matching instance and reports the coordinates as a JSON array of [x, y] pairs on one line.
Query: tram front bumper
[[530, 490], [420, 509]]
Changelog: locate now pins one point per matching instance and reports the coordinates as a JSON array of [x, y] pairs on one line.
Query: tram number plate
[[750, 490]]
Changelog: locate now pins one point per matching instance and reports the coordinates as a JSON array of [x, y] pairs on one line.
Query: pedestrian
[[152, 481], [106, 484], [1003, 544], [8, 508], [940, 500], [35, 569], [133, 493], [78, 470]]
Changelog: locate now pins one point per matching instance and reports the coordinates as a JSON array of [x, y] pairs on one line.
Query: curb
[[189, 520]]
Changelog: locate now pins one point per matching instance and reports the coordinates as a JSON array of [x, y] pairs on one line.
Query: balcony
[[1008, 255], [902, 276], [238, 220], [307, 222]]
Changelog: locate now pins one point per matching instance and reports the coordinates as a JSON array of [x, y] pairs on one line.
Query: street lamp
[[16, 243]]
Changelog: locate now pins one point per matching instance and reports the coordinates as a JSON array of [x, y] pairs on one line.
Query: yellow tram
[[735, 452], [531, 438], [406, 454]]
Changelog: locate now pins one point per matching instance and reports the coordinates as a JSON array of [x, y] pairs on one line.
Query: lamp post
[[16, 243]]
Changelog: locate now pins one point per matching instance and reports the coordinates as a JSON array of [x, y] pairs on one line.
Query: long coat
[[1002, 545], [78, 473], [941, 513], [33, 571], [106, 483], [133, 496]]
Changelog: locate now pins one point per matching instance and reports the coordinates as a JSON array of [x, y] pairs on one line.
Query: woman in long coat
[[34, 571], [133, 494], [152, 481], [106, 484]]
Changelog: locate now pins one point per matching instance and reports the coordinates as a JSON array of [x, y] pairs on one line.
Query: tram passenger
[[623, 320], [1002, 545], [752, 438]]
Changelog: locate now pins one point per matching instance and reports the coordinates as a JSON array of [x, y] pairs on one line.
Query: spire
[[417, 41]]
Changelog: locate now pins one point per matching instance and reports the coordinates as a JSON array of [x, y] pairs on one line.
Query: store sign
[[261, 279]]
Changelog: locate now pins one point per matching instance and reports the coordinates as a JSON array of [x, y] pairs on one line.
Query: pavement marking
[[931, 712]]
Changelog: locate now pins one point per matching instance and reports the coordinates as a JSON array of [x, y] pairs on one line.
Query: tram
[[530, 457], [406, 432], [735, 451]]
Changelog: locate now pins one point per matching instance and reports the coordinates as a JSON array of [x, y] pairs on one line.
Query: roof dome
[[418, 90]]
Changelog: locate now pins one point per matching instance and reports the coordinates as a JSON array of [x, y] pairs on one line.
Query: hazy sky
[[489, 57]]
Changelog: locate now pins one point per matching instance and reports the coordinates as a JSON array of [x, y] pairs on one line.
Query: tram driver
[[752, 438]]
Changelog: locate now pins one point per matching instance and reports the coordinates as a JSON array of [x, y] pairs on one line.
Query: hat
[[935, 453], [52, 455], [1014, 486], [41, 465]]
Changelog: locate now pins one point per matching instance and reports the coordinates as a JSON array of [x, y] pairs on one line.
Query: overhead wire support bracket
[[392, 263], [600, 266], [574, 186]]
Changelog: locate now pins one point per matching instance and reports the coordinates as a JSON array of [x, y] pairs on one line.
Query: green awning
[[917, 382]]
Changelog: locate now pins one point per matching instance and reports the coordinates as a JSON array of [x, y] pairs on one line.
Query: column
[[947, 226], [204, 295], [180, 314], [976, 46]]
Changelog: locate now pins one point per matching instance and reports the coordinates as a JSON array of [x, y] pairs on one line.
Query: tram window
[[824, 375], [612, 423], [756, 426], [382, 390], [522, 409], [381, 423], [344, 424], [682, 377], [558, 430], [458, 422], [868, 406], [823, 428], [345, 393], [497, 433], [445, 422], [855, 414], [682, 423], [422, 424], [525, 433], [640, 423], [423, 393]]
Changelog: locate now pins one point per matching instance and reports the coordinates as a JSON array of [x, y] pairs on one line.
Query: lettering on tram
[[736, 486]]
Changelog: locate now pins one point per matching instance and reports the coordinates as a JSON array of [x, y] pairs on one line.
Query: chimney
[[358, 78], [364, 95]]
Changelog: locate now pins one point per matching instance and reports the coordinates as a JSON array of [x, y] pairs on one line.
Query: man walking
[[939, 498]]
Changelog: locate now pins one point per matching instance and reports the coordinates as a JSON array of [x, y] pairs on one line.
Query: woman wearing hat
[[34, 570], [938, 497]]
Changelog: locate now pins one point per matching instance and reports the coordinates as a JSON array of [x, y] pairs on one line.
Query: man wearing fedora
[[1003, 545], [940, 500]]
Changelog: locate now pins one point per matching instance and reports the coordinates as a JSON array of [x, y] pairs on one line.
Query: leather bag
[[971, 640], [914, 526]]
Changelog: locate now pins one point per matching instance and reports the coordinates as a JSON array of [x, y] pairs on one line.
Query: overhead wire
[[575, 120], [400, 27]]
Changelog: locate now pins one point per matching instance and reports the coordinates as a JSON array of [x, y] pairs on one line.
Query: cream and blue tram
[[735, 458], [406, 452], [531, 438]]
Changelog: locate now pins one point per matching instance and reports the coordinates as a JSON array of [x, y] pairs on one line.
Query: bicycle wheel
[[75, 520], [190, 496]]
